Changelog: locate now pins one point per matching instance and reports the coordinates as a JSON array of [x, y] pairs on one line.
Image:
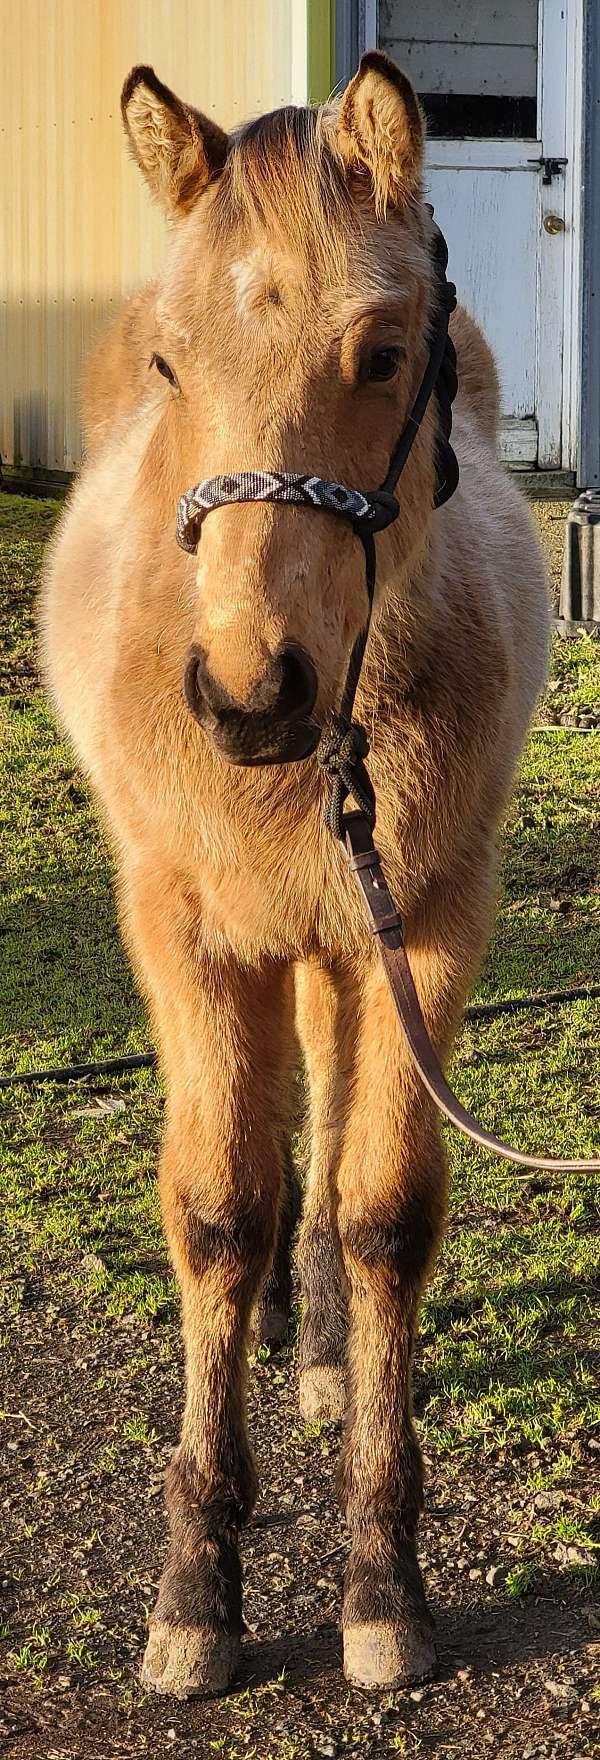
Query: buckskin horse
[[287, 333]]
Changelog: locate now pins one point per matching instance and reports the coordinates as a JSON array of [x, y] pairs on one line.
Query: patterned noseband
[[371, 511]]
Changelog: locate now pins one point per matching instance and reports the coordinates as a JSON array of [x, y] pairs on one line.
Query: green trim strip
[[320, 49]]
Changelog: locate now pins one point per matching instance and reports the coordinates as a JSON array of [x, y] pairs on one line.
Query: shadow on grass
[[514, 1365], [538, 1292]]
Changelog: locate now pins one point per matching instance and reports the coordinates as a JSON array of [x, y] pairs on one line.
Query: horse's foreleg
[[391, 1191], [321, 1019], [225, 1033]]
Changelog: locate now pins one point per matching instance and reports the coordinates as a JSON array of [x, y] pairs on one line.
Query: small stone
[[585, 1705], [474, 1574], [496, 1575], [464, 1674], [170, 1735], [558, 1689], [327, 1748], [417, 1695], [547, 1500], [574, 1554]]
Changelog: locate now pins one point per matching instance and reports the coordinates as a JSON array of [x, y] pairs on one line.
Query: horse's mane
[[284, 173]]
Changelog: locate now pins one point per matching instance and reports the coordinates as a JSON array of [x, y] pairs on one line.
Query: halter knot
[[380, 511], [341, 754]]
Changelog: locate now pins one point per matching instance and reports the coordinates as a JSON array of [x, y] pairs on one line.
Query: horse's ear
[[381, 131], [179, 150]]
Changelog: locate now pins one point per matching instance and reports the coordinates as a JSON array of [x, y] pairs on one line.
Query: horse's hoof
[[388, 1656], [322, 1394], [269, 1326], [188, 1660]]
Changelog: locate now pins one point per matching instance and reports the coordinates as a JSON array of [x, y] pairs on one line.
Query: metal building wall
[[77, 227]]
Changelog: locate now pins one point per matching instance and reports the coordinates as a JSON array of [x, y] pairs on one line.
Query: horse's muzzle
[[274, 727]]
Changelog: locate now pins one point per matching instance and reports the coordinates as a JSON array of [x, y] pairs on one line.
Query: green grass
[[508, 1352]]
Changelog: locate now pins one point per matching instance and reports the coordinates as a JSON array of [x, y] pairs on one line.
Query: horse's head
[[291, 335]]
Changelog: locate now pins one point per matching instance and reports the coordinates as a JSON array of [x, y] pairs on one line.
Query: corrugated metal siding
[[77, 227]]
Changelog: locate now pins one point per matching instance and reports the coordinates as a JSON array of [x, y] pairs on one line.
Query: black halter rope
[[344, 746]]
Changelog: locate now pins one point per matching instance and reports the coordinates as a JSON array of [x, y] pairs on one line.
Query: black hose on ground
[[115, 1066]]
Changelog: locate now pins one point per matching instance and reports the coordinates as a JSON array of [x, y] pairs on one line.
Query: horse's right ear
[[179, 151]]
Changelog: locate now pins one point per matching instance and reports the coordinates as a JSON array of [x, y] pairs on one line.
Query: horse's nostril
[[192, 681], [298, 687], [286, 693], [273, 726]]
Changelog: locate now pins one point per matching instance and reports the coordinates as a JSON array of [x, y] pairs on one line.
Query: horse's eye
[[157, 360], [382, 364]]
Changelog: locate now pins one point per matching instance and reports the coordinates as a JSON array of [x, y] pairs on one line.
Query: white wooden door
[[492, 76]]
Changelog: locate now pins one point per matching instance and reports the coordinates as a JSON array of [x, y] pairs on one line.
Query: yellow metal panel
[[77, 228]]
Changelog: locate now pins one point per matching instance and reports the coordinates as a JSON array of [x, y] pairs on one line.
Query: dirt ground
[[507, 1369], [516, 1679]]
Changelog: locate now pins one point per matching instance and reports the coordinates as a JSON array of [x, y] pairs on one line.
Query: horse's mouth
[[247, 746]]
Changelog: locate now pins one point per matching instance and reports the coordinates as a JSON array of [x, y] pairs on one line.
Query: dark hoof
[[322, 1394], [269, 1326], [388, 1656], [188, 1660]]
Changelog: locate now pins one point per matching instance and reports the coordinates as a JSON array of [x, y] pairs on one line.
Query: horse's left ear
[[178, 150], [381, 131]]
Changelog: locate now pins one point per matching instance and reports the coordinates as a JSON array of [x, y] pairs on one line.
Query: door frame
[[560, 129]]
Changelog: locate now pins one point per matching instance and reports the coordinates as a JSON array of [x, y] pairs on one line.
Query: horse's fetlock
[[383, 1578], [210, 1504], [201, 1587]]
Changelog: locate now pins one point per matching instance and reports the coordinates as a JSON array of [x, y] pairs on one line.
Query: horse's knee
[[389, 1247], [227, 1241], [238, 1243]]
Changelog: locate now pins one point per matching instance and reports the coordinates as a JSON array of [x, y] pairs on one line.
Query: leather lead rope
[[344, 747], [386, 924]]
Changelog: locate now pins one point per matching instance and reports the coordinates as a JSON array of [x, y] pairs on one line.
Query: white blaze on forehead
[[250, 276]]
